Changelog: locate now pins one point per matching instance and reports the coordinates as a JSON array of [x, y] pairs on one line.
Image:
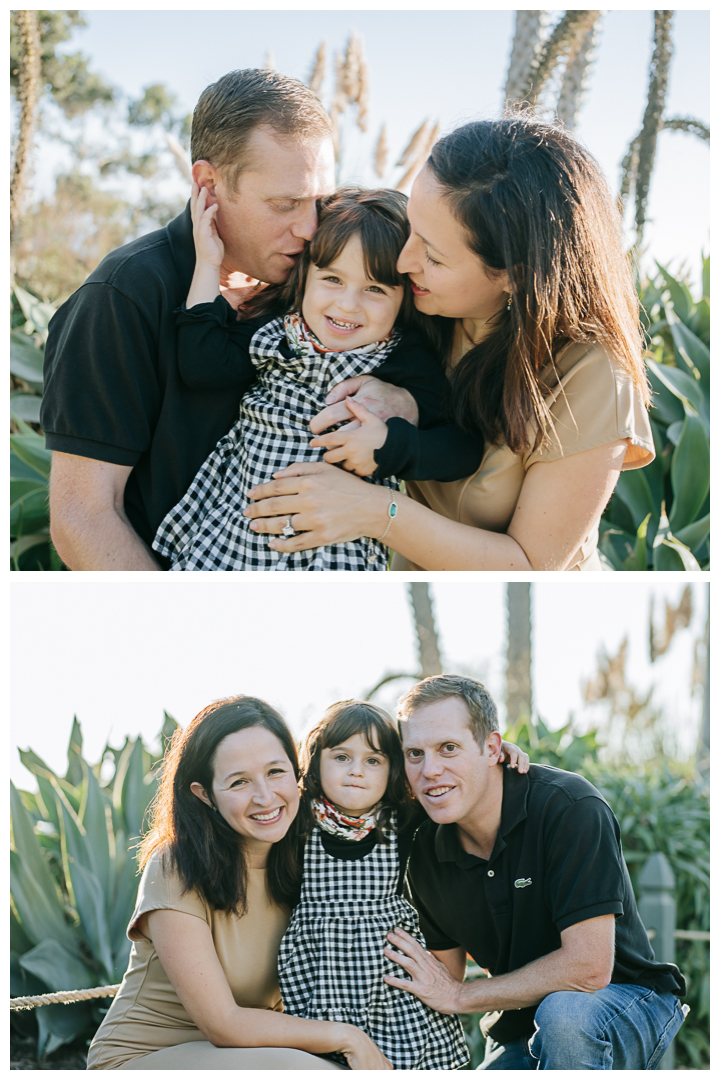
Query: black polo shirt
[[557, 861], [113, 391]]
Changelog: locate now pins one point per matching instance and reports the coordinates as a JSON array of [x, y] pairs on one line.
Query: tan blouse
[[593, 402], [146, 1014]]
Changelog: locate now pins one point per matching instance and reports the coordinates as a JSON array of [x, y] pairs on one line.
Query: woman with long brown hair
[[516, 249], [220, 875]]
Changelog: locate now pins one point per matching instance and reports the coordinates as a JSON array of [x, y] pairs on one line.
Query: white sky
[[445, 65], [118, 654]]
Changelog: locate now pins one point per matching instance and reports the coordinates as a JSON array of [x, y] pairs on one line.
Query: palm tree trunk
[[427, 637], [518, 694]]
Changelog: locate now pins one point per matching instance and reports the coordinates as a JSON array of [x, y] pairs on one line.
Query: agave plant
[[73, 878], [31, 547], [659, 517]]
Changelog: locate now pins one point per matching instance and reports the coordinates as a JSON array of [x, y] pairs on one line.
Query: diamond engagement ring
[[288, 529]]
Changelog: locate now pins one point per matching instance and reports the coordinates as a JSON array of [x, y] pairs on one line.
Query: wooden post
[[656, 908]]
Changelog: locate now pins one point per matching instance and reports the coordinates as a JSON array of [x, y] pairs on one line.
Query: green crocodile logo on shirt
[[522, 882]]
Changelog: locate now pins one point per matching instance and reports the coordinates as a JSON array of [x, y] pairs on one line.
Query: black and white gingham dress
[[206, 530], [331, 960]]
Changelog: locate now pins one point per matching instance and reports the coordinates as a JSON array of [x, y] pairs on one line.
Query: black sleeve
[[584, 865], [436, 449], [102, 396], [441, 453], [412, 366], [213, 347]]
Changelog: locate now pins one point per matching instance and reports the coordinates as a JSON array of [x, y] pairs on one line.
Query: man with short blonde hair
[[482, 711], [524, 873], [127, 433]]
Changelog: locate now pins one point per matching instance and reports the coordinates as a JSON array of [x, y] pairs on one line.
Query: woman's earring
[[509, 302]]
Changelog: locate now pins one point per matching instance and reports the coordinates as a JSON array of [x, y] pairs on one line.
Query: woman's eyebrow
[[243, 772], [429, 243]]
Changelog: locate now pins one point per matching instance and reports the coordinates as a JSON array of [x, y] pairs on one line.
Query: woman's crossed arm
[[559, 505], [187, 953]]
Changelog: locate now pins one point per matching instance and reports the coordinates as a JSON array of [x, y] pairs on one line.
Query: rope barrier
[[66, 997], [63, 997]]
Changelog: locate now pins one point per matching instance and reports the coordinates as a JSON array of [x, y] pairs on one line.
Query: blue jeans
[[620, 1027]]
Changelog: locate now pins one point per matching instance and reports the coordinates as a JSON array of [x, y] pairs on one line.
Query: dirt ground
[[22, 1055]]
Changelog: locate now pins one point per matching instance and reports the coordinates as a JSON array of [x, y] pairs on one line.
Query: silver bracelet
[[392, 514]]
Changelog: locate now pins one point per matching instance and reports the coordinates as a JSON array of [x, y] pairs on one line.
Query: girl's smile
[[344, 307]]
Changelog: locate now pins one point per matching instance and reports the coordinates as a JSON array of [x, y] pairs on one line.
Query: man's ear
[[199, 790], [493, 747], [206, 175]]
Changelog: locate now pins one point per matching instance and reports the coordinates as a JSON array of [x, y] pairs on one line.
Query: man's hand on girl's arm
[[353, 445], [584, 962], [381, 398]]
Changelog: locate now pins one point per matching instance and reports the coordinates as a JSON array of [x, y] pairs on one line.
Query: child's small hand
[[209, 248], [353, 444]]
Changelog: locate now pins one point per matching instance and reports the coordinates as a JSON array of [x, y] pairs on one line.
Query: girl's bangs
[[381, 241], [356, 720], [380, 259]]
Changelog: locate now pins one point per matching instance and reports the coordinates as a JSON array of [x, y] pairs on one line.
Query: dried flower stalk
[[416, 140], [381, 153], [419, 156], [317, 75], [181, 158]]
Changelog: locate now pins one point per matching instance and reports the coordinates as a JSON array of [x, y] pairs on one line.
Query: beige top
[[593, 402], [146, 1014]]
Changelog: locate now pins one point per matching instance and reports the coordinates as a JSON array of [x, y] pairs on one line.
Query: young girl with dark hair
[[331, 961], [344, 311], [516, 253], [221, 870]]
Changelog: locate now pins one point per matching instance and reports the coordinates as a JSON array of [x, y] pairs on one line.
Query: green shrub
[[660, 807], [30, 544], [73, 880], [659, 517]]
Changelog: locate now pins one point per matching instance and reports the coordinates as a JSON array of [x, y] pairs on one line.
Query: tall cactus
[[28, 95], [637, 165], [652, 120], [561, 43], [577, 71], [531, 31]]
